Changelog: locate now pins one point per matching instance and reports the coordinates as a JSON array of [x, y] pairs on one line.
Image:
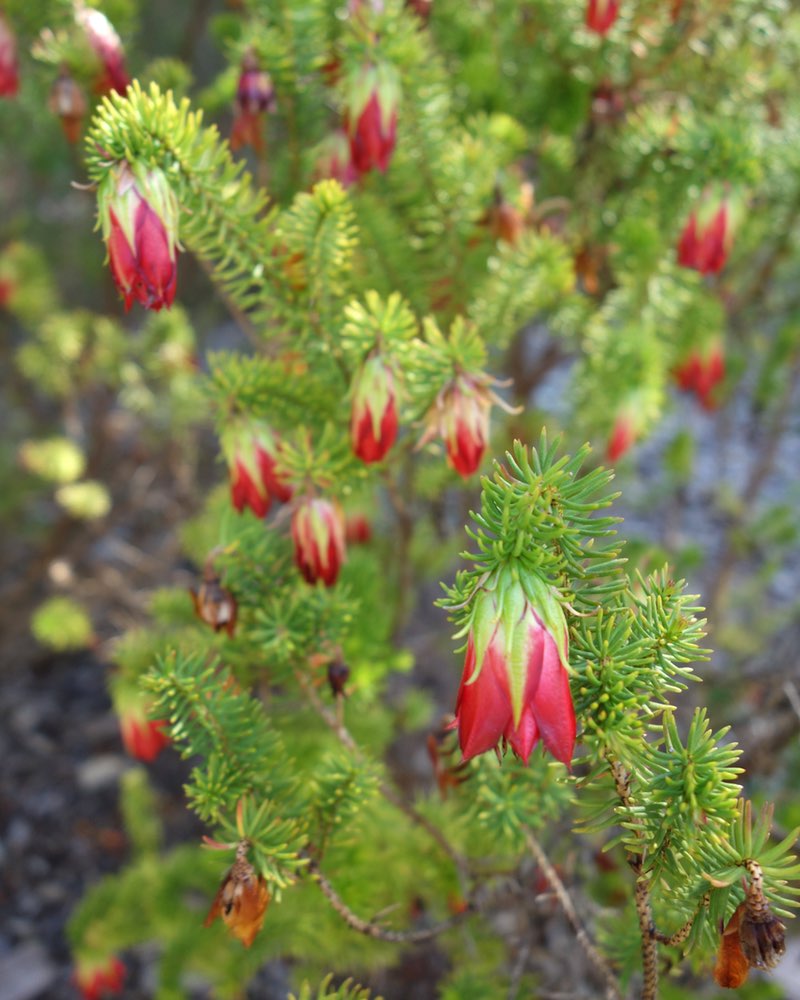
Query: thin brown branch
[[345, 738], [565, 901], [373, 930], [644, 911]]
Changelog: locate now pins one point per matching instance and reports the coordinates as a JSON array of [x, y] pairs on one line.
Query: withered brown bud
[[241, 900], [762, 940], [68, 102], [338, 675], [213, 604]]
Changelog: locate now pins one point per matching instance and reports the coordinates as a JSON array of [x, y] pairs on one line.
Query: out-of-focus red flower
[[142, 737], [623, 435], [9, 63], [106, 44], [422, 8], [373, 422], [601, 14], [706, 238], [251, 449], [701, 371], [318, 536], [99, 978], [515, 686], [139, 217], [373, 96], [69, 104], [335, 160], [357, 529], [255, 95]]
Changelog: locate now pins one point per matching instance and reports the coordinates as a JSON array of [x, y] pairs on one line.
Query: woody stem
[[563, 897]]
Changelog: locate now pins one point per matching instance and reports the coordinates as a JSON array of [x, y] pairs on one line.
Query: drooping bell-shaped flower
[[9, 63], [515, 686], [255, 95], [251, 450], [139, 217], [373, 422], [460, 417], [98, 978], [318, 536], [142, 737], [601, 14], [706, 238], [373, 96], [701, 371], [107, 46]]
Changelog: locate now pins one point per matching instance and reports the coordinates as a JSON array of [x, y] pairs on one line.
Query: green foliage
[[327, 991], [62, 624]]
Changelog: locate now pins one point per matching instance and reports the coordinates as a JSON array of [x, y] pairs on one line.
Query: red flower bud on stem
[[371, 116], [318, 535], [106, 44], [373, 423], [707, 236], [9, 63], [251, 449], [601, 14], [139, 218]]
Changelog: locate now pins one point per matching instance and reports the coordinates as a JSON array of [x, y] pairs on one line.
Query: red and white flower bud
[[106, 44], [601, 14], [373, 423], [96, 978], [460, 417], [515, 686], [707, 236], [701, 371], [251, 451], [139, 217], [318, 536], [371, 116], [9, 63]]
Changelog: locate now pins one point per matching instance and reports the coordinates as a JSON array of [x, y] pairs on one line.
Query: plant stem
[[644, 911], [565, 901], [374, 930]]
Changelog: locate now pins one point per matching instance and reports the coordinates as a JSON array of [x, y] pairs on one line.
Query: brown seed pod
[[241, 900], [213, 604]]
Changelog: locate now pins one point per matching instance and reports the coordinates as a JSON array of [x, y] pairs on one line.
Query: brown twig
[[644, 911], [374, 930], [598, 961]]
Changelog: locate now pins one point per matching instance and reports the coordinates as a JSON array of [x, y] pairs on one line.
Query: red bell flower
[[106, 44], [701, 371], [515, 686], [623, 437], [601, 14], [371, 116], [9, 64], [139, 217], [460, 417], [254, 96], [318, 536], [251, 450], [707, 235], [373, 423], [98, 978], [143, 738]]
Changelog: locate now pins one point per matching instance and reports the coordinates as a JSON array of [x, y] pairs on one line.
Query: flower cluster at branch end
[[515, 686], [318, 536], [138, 214]]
